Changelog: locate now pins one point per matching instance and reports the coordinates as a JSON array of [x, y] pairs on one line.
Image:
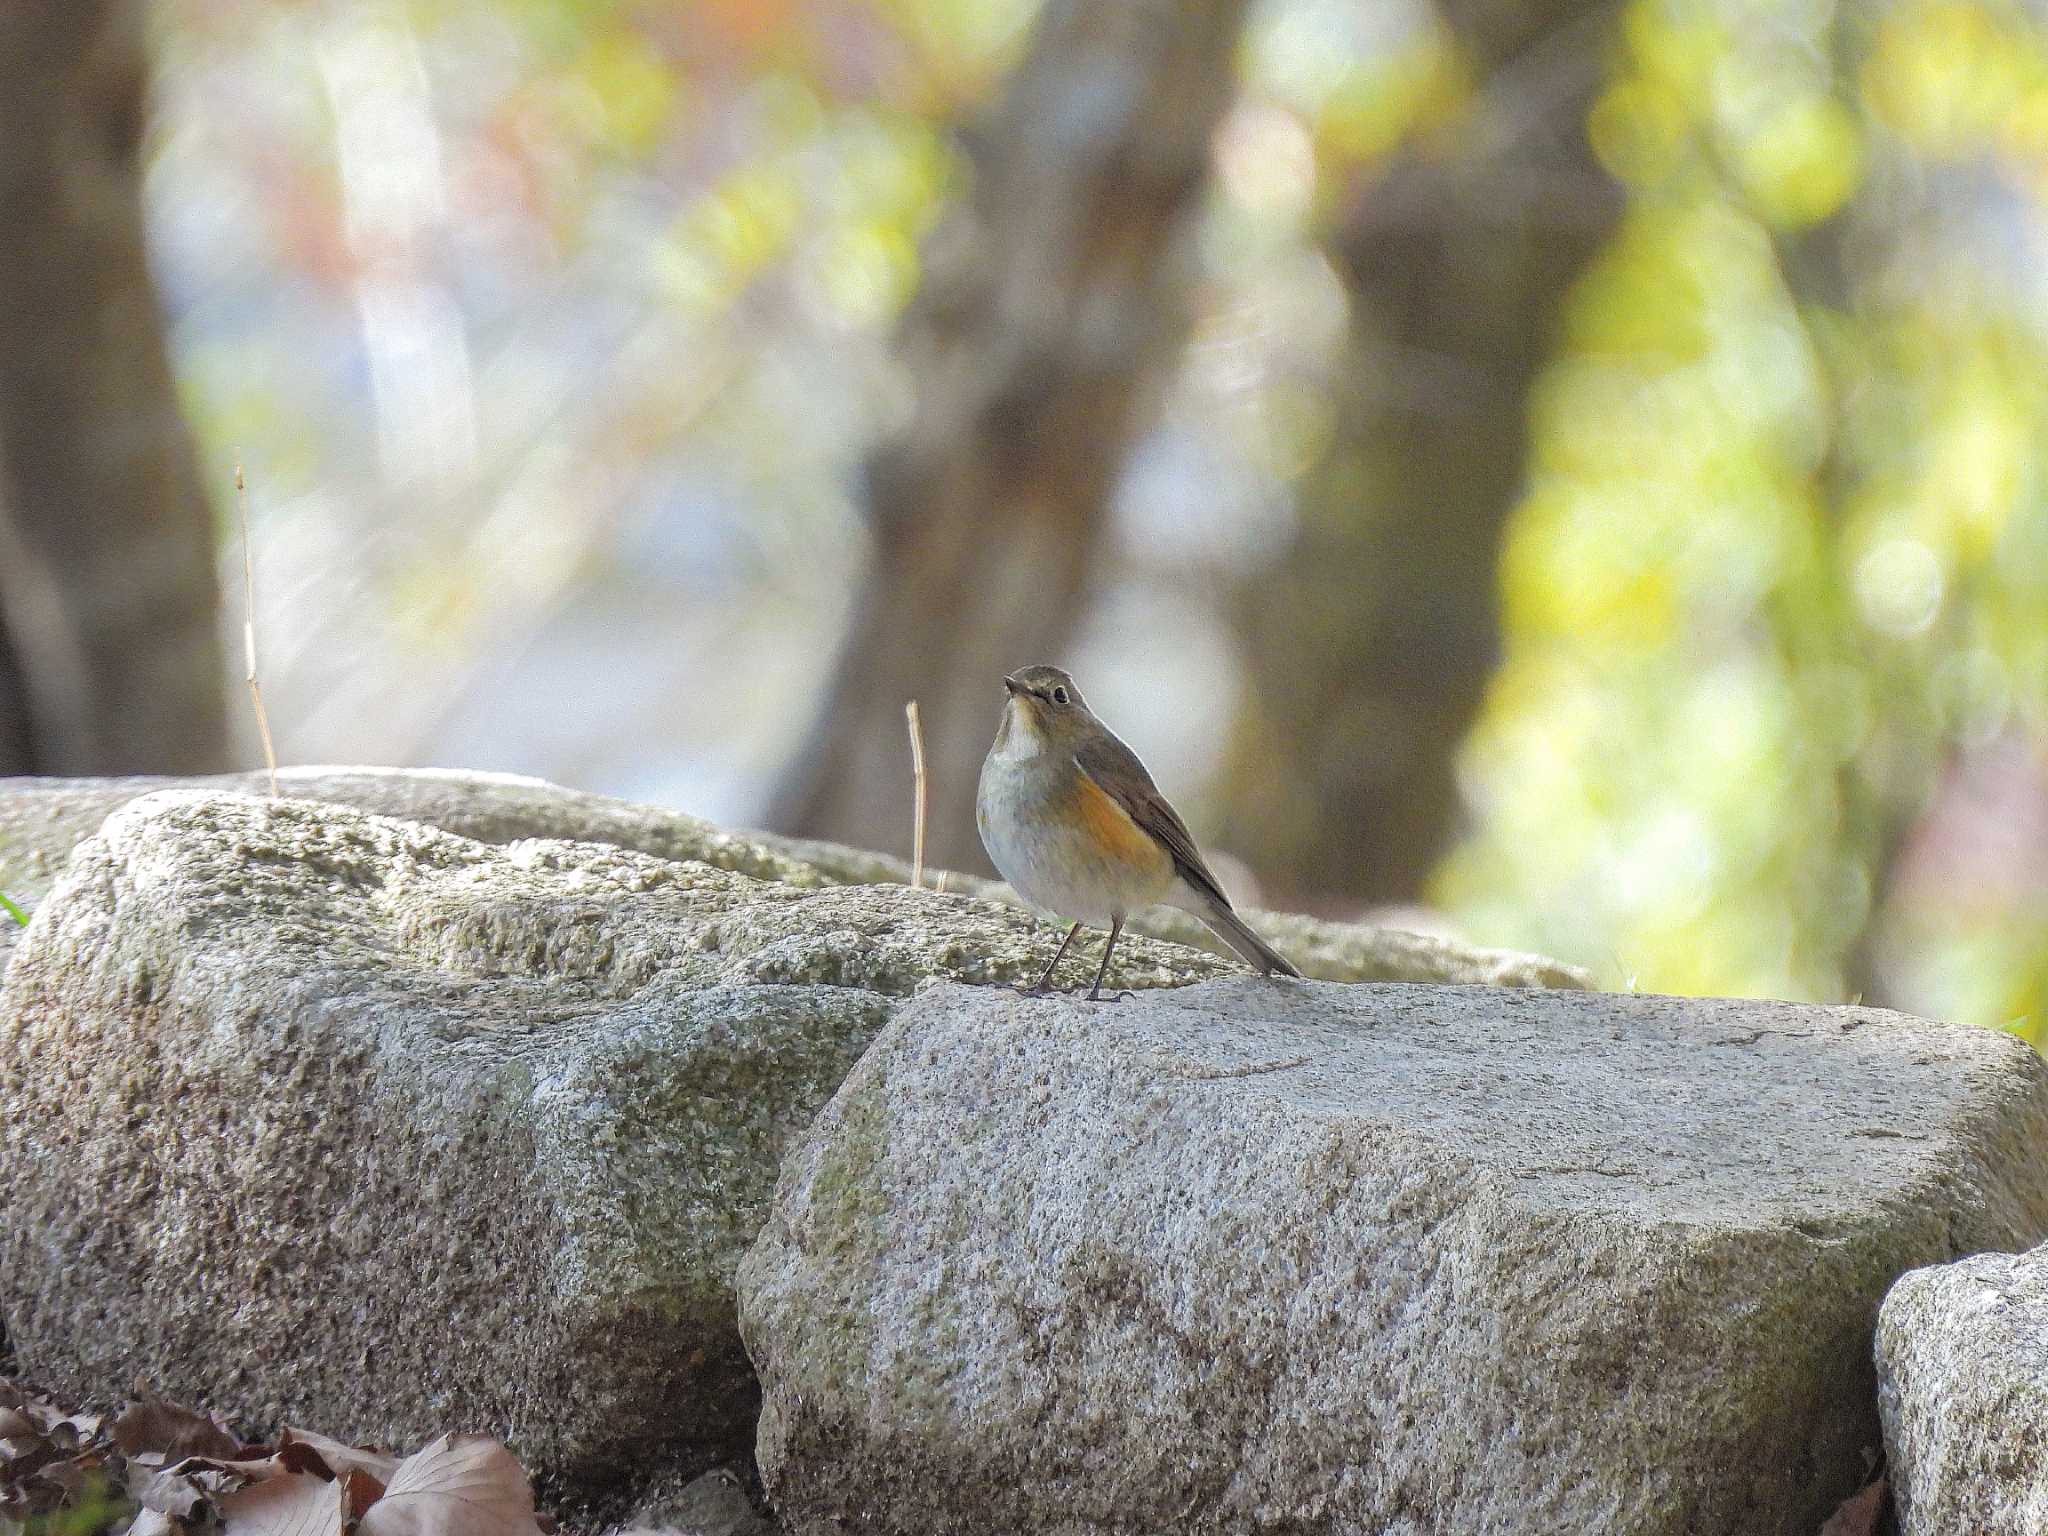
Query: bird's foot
[[1114, 996]]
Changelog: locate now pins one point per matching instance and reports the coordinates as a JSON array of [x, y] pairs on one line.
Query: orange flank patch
[[1111, 829]]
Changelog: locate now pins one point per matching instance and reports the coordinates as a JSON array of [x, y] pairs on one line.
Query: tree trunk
[[1052, 299], [110, 656], [1370, 642]]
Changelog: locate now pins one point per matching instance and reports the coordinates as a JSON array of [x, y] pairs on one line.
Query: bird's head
[[1044, 705]]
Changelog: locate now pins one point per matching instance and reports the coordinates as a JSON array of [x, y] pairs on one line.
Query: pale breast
[[1063, 844]]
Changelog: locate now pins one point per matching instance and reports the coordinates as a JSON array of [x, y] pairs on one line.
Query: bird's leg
[[1116, 926], [1053, 964]]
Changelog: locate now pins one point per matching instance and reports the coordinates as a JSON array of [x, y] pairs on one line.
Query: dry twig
[[249, 632], [917, 786]]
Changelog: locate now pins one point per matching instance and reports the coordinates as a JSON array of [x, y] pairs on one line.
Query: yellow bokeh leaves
[[1375, 105], [844, 196], [1801, 162], [1639, 128], [1946, 75], [618, 93], [731, 232], [1765, 112]]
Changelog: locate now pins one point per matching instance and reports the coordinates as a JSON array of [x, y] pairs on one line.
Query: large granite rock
[[1962, 1365], [1257, 1256], [345, 1121], [41, 820]]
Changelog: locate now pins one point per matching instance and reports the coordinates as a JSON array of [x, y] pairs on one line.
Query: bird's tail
[[1238, 934]]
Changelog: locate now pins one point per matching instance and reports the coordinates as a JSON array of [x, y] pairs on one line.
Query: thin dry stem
[[249, 632], [917, 783]]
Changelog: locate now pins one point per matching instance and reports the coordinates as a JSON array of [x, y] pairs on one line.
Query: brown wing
[[1115, 770]]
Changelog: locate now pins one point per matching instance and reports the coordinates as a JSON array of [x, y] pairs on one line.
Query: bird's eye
[[1059, 695]]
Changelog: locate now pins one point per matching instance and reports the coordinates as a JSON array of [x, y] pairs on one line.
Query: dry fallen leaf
[[190, 1474], [292, 1504], [173, 1432], [1862, 1513], [295, 1457], [167, 1493], [460, 1485], [68, 1476], [340, 1456], [359, 1491], [20, 1455]]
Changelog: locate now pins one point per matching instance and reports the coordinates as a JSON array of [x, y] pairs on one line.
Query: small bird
[[1078, 828]]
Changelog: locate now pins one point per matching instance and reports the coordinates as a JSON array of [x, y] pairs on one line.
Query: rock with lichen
[[322, 1117]]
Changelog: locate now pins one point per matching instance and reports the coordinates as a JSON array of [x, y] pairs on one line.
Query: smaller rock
[[1962, 1365], [715, 1504]]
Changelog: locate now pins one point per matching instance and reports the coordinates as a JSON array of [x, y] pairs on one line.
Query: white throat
[[1021, 740]]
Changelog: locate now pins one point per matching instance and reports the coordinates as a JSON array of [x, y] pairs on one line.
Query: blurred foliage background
[[1570, 473]]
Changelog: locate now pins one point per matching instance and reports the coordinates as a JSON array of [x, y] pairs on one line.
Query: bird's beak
[[1014, 686]]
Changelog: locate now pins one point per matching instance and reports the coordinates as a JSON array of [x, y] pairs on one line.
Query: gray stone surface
[[1266, 1257], [1962, 1364], [345, 1121], [715, 1504], [41, 820]]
